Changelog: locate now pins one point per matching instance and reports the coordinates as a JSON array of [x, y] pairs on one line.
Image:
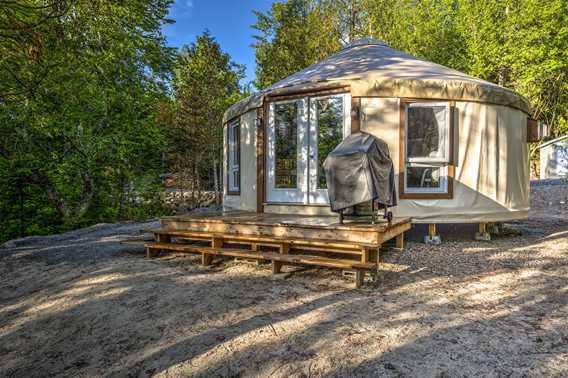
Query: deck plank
[[348, 247], [359, 231], [290, 220], [284, 258]]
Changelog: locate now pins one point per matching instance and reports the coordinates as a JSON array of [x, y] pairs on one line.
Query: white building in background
[[554, 158]]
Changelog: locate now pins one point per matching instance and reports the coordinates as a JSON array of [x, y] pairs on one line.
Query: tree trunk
[[193, 183], [198, 184], [216, 183], [21, 210], [67, 212], [121, 199]]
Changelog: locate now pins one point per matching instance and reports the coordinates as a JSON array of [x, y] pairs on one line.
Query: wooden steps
[[245, 254], [299, 239], [349, 248]]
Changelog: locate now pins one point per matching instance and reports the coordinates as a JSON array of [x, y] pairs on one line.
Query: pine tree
[[206, 83]]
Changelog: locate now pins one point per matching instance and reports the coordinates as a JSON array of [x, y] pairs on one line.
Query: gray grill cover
[[358, 170]]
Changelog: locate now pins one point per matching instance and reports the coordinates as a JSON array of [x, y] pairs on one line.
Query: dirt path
[[82, 304]]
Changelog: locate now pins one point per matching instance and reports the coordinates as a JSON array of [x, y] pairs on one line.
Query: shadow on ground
[[463, 308]]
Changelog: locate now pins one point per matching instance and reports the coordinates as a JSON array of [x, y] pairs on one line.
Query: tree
[[205, 83], [293, 35], [519, 44], [79, 84]]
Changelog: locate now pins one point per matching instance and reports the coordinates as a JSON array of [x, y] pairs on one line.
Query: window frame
[[426, 159], [234, 190], [445, 164]]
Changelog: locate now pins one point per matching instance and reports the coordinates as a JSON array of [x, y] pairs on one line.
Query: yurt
[[458, 143]]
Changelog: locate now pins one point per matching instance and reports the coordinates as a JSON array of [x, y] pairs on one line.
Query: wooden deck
[[281, 239]]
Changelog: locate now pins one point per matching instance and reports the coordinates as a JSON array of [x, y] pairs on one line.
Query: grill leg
[[340, 216]]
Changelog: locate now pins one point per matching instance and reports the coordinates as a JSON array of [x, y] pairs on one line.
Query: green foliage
[[293, 35], [522, 45], [205, 82], [80, 85]]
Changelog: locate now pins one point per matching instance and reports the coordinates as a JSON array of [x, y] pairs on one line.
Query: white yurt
[[458, 143]]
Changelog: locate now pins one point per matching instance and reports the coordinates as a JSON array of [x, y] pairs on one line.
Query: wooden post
[[432, 238], [207, 258], [359, 273], [254, 247], [277, 265], [162, 238], [262, 120], [400, 241], [483, 234], [150, 252], [432, 230], [378, 260]]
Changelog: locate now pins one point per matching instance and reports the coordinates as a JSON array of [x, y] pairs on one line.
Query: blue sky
[[229, 21]]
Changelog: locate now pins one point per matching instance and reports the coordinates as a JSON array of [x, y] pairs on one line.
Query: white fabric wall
[[247, 199], [491, 171]]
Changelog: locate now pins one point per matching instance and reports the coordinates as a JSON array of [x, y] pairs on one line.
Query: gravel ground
[[82, 304]]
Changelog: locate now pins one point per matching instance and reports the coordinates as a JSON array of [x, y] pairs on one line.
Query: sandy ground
[[82, 304]]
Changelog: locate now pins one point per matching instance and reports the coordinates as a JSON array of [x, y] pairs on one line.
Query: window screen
[[427, 147]]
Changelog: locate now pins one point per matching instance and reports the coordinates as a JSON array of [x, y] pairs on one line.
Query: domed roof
[[371, 68]]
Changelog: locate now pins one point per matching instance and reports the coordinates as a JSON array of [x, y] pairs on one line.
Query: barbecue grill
[[359, 170]]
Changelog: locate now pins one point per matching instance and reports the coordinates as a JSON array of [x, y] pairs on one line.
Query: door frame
[[307, 163], [288, 195]]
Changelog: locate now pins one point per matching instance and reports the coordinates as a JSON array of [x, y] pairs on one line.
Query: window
[[286, 145], [427, 148], [233, 158]]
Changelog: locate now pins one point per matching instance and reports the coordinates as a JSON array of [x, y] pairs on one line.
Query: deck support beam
[[432, 237], [284, 249], [150, 252], [399, 241], [255, 247], [482, 233], [160, 238], [207, 258], [360, 274]]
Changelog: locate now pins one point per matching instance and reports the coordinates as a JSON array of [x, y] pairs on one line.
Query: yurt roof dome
[[372, 68]]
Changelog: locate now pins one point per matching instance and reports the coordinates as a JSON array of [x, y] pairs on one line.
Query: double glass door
[[300, 135]]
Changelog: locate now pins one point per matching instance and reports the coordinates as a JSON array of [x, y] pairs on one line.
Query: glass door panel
[[287, 151], [330, 123], [300, 135]]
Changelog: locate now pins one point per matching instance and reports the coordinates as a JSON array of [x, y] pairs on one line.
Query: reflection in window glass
[[423, 177], [427, 132], [286, 145], [233, 154], [330, 131]]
